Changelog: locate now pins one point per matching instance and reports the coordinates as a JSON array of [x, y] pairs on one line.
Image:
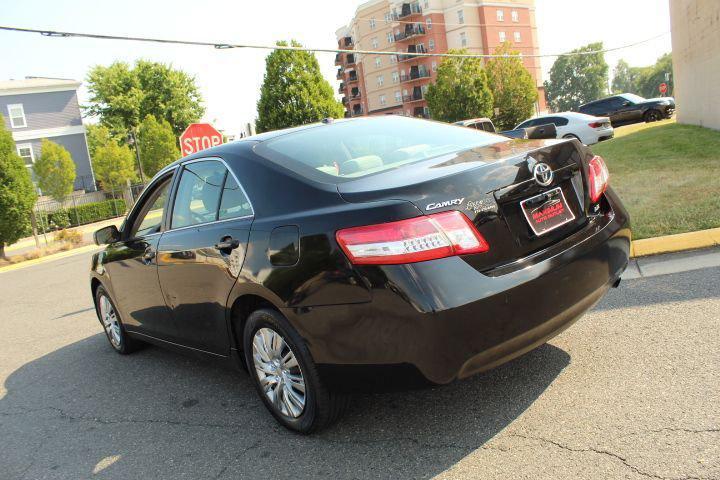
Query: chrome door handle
[[227, 244], [148, 256]]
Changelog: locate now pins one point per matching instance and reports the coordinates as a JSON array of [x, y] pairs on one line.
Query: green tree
[[122, 96], [624, 78], [512, 86], [577, 79], [461, 90], [294, 92], [158, 145], [54, 171], [99, 136], [17, 192], [650, 78], [114, 165]]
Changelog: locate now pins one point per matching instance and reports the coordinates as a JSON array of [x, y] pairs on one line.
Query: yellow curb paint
[[676, 243], [49, 258]]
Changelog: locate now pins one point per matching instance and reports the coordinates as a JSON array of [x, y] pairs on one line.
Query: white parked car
[[586, 128]]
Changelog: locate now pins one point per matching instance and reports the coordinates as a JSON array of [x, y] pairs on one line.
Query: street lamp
[[132, 140]]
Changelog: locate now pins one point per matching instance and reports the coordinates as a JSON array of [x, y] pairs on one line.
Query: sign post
[[199, 136]]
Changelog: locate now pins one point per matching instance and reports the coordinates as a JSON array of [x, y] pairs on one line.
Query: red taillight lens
[[412, 240], [596, 124], [598, 177]]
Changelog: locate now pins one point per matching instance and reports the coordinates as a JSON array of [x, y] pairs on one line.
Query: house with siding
[[35, 108]]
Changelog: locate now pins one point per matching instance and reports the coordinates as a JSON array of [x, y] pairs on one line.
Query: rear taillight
[[598, 177], [596, 124], [412, 240]]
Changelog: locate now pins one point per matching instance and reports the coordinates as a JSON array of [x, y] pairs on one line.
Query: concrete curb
[[676, 243], [49, 258]]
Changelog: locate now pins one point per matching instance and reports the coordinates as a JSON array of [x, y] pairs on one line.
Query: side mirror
[[106, 235]]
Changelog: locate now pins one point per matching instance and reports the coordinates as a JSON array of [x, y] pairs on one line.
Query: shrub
[[71, 236], [80, 215]]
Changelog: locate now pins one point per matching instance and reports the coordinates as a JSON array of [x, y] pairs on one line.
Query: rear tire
[[111, 322], [652, 116], [570, 135], [285, 375]]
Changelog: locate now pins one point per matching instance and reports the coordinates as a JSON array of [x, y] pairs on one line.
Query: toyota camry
[[389, 246]]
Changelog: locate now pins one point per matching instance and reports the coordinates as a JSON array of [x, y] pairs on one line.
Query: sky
[[230, 80]]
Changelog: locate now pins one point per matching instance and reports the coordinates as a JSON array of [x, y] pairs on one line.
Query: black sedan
[[370, 248], [628, 108]]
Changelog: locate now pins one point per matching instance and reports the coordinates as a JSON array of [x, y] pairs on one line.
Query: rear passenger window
[[234, 203]]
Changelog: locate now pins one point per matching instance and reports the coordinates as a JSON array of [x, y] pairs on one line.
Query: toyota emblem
[[543, 174]]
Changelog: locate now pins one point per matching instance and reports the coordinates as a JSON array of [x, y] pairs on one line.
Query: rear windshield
[[344, 151]]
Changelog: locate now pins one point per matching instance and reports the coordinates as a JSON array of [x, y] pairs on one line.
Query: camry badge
[[447, 203], [543, 174]]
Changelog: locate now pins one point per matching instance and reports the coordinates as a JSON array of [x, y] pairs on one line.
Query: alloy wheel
[[279, 372], [110, 321]]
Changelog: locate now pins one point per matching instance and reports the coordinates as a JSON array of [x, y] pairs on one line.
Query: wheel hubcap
[[110, 321], [279, 372]]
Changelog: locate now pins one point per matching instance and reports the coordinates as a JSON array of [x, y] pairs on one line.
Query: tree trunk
[[2, 251]]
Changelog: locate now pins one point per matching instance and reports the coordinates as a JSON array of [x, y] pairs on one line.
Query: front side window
[[198, 194], [25, 152], [16, 113], [149, 220]]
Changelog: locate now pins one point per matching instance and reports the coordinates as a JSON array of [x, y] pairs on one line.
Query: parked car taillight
[[598, 177], [413, 240], [596, 124]]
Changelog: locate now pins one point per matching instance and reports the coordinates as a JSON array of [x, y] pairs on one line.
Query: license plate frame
[[554, 197]]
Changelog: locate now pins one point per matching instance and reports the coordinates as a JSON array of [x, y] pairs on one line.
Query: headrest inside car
[[360, 164]]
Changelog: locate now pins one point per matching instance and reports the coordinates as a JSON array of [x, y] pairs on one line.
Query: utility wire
[[55, 33]]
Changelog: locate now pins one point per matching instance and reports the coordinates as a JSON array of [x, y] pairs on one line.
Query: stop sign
[[199, 136], [663, 88]]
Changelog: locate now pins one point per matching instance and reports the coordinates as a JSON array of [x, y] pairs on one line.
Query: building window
[[378, 62], [388, 17], [501, 36], [372, 24], [517, 37], [463, 39], [395, 77], [428, 22], [434, 66], [16, 112], [383, 100], [426, 4], [390, 37], [431, 44], [380, 80], [374, 43], [398, 96], [461, 16], [515, 16], [393, 58], [500, 15], [25, 151]]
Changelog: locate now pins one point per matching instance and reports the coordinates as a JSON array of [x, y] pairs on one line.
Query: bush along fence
[[83, 208]]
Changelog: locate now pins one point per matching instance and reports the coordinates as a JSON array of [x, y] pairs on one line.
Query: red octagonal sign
[[199, 136]]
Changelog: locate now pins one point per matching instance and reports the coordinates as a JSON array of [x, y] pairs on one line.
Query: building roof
[[37, 85]]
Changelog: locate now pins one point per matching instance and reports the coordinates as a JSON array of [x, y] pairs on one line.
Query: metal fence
[[83, 207]]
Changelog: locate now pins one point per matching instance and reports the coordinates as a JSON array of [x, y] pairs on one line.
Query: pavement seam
[[608, 453]]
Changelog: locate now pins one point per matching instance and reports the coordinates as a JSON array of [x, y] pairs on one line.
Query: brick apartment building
[[396, 84]]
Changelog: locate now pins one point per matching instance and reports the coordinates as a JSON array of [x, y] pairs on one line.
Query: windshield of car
[[347, 150], [633, 98]]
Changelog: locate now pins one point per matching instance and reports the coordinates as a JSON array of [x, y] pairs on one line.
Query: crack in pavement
[[245, 450], [608, 453]]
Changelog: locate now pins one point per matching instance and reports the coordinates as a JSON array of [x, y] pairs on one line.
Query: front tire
[[285, 375], [112, 324], [652, 116]]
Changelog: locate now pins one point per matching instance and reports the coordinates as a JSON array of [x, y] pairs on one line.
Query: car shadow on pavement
[[84, 411]]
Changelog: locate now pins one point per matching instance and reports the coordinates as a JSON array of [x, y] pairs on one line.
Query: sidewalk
[[27, 244]]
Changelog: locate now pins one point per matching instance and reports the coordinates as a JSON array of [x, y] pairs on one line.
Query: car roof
[[472, 120]]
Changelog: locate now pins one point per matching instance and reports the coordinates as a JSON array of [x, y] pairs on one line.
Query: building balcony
[[414, 75], [352, 77], [411, 53], [345, 100], [355, 94], [411, 31], [347, 42], [409, 9], [415, 97], [338, 59], [357, 110], [421, 112], [350, 59], [341, 90], [340, 72]]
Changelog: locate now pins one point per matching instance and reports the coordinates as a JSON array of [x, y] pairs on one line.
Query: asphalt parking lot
[[630, 391]]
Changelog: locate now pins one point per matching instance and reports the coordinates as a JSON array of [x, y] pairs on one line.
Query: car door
[[202, 252], [561, 126], [131, 264]]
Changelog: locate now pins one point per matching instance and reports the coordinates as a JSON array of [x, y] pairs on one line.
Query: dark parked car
[[629, 108], [382, 247]]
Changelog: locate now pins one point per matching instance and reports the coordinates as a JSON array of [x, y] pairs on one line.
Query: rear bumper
[[447, 320]]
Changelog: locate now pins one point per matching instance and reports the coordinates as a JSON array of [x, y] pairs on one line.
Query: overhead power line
[[218, 45]]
